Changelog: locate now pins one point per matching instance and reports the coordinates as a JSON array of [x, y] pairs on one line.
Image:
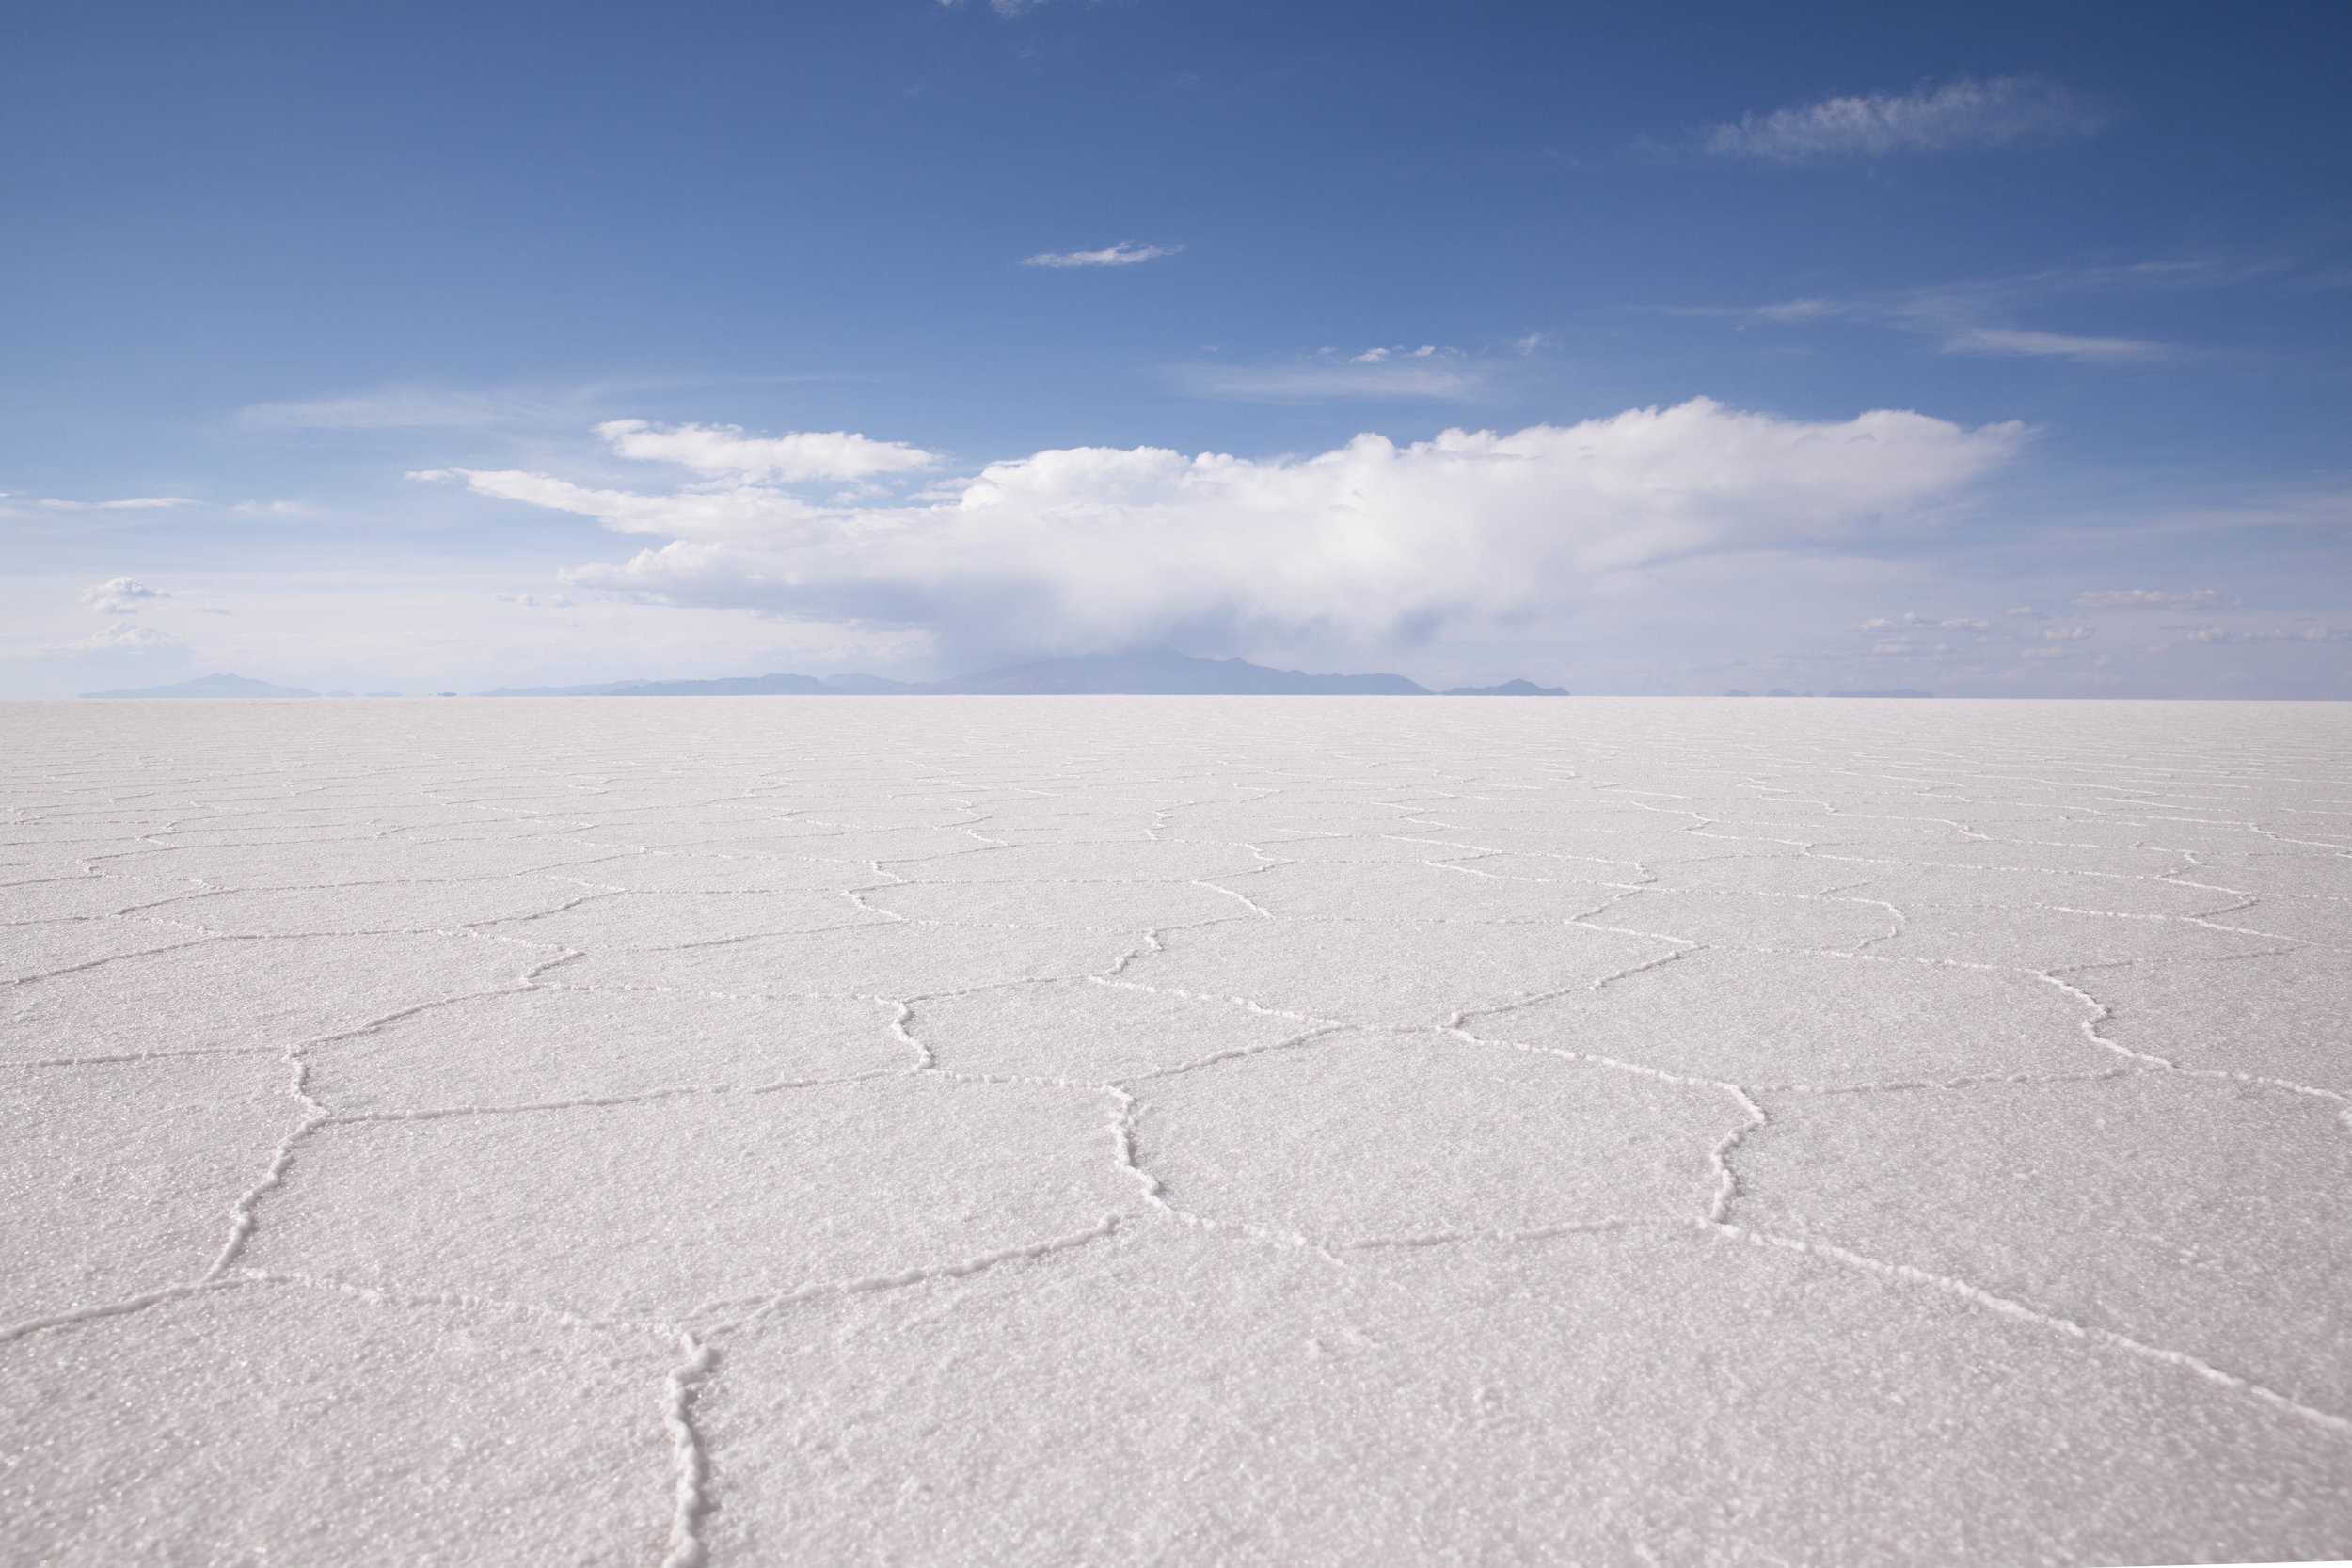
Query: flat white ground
[[1180, 1131]]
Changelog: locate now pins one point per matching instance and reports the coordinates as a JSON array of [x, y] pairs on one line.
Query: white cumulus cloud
[[120, 597], [1124, 254], [1963, 114], [1100, 546]]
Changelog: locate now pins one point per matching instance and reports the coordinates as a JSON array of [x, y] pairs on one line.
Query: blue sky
[[1987, 350]]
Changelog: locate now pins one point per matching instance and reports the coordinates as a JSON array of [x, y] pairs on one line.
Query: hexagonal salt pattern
[[1200, 1132]]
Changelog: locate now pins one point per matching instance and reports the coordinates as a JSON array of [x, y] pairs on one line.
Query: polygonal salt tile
[[623, 921], [663, 1206], [2326, 921], [1460, 890], [786, 840], [2206, 839], [1095, 906], [2108, 853], [45, 947], [378, 860], [2283, 1015], [2311, 875], [888, 959], [271, 1424], [1635, 1396], [250, 836], [1646, 847], [1118, 862], [1966, 886], [1385, 971], [81, 896], [368, 907], [1817, 1020], [1751, 920], [20, 867], [1804, 875], [121, 1176], [551, 1044], [2199, 1215], [498, 831], [231, 993], [683, 871], [2045, 940], [1353, 1139], [1087, 1031], [1411, 848], [1567, 871]]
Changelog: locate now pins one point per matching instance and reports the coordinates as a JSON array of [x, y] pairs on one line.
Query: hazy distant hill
[[1164, 671], [211, 686], [1508, 689], [735, 686]]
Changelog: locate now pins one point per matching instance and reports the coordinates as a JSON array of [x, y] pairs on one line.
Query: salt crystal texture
[[1193, 1131]]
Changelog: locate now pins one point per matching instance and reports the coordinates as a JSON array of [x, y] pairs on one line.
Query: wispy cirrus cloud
[[1428, 373], [134, 503], [2153, 598], [2016, 341], [120, 646], [2263, 634], [2005, 111], [1978, 318], [1124, 254], [412, 408]]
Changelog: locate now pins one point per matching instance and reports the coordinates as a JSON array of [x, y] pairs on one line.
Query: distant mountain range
[[212, 686], [1150, 671]]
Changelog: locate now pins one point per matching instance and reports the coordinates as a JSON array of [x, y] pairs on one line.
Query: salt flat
[[1213, 1130]]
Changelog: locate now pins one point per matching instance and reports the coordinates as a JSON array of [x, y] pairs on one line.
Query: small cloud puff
[[2151, 598], [120, 597], [134, 504], [2264, 634], [2002, 112], [1910, 619], [1124, 254], [724, 451]]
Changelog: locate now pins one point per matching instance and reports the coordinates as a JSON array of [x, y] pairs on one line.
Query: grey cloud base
[[1188, 1131]]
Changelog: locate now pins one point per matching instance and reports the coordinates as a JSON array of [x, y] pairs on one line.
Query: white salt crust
[[1183, 1130]]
